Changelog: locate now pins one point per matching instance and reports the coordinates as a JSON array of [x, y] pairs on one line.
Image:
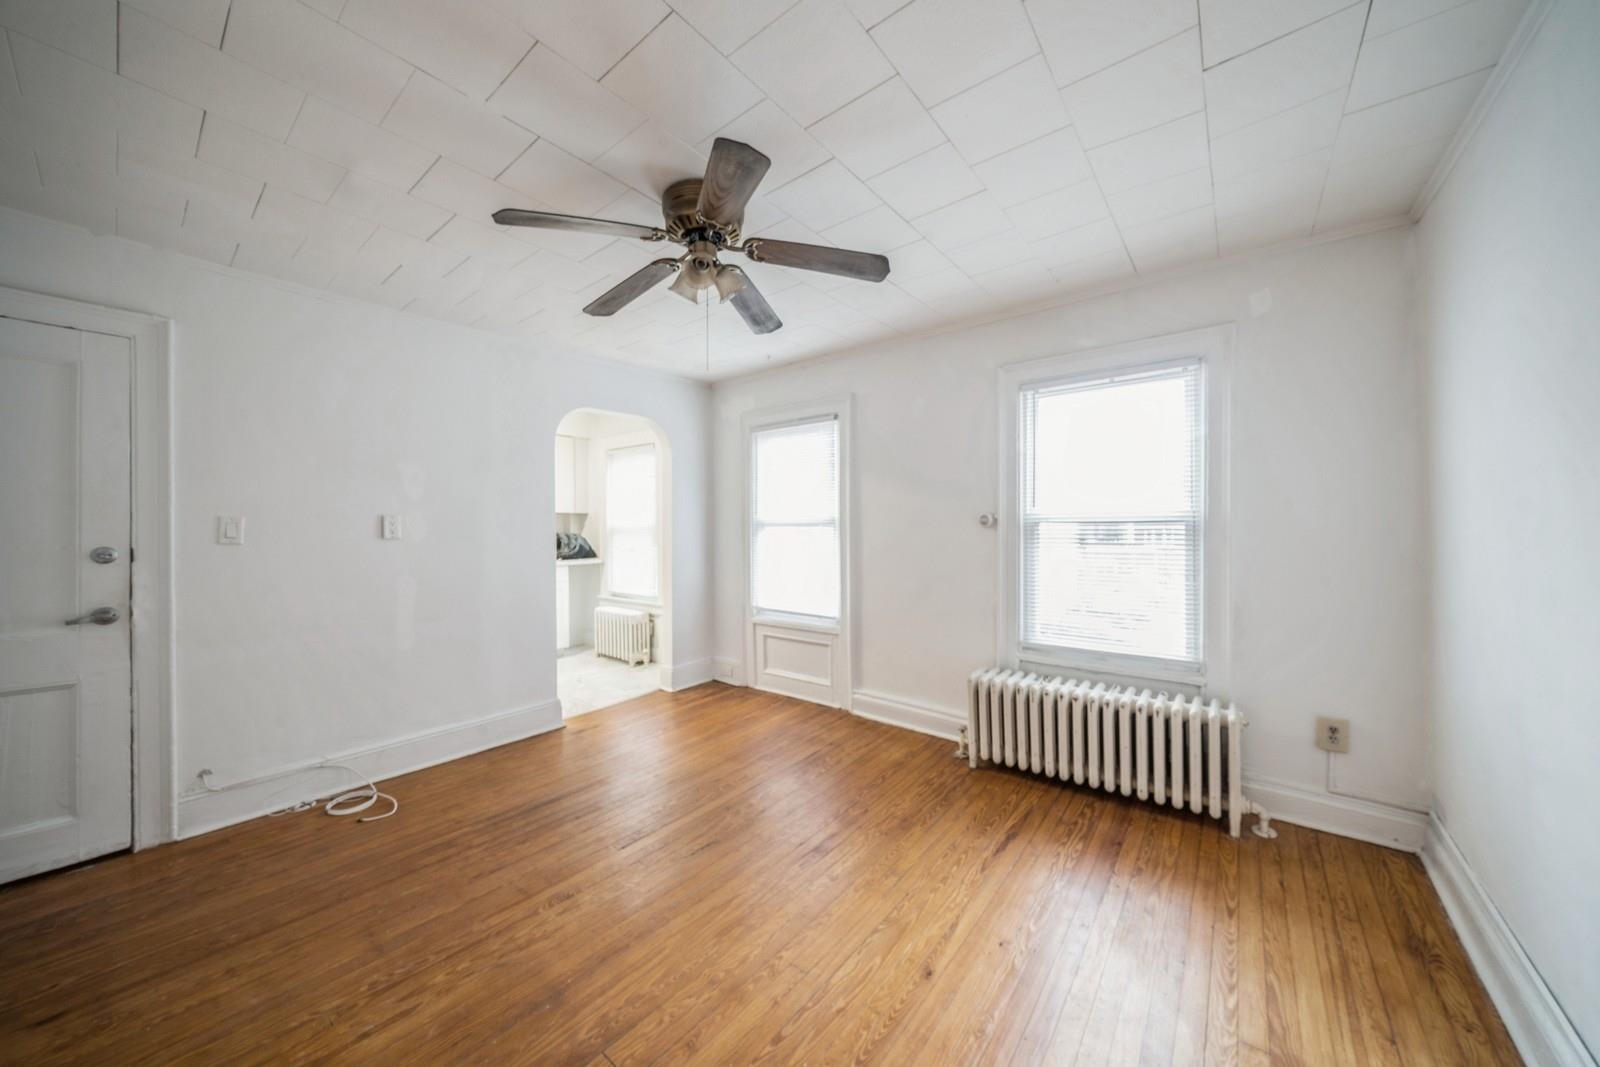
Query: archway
[[613, 589]]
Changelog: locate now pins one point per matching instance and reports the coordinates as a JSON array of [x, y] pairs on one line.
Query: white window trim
[[841, 409], [1212, 346], [623, 443]]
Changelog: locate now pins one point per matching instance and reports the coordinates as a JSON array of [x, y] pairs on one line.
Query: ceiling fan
[[704, 215]]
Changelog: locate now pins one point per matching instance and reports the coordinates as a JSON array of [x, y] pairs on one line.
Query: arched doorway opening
[[614, 550]]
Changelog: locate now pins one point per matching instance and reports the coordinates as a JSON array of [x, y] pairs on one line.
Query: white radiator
[[622, 633], [1167, 749]]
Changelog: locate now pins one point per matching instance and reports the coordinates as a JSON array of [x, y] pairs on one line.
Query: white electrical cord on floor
[[350, 802]]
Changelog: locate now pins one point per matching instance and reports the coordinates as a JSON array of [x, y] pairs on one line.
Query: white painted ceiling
[[1000, 152]]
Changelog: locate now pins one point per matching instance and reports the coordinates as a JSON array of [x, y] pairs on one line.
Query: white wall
[[1327, 522], [1510, 251], [310, 415]]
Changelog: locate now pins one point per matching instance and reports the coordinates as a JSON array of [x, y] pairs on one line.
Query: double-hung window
[[632, 548], [1110, 551], [794, 519]]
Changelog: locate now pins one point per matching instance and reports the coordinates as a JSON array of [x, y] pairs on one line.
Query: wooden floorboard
[[722, 876]]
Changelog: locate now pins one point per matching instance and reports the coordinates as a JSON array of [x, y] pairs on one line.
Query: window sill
[[630, 601], [796, 622], [1131, 670]]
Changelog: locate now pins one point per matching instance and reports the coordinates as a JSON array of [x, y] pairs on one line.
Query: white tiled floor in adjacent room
[[587, 682]]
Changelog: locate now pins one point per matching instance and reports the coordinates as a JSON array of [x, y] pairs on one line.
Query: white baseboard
[[687, 675], [1541, 1030], [1364, 820], [897, 711], [200, 813], [728, 670]]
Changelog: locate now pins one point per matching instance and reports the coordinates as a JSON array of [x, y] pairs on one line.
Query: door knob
[[99, 616]]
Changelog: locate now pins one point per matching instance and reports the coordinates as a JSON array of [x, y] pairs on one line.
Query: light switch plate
[[391, 528], [230, 530]]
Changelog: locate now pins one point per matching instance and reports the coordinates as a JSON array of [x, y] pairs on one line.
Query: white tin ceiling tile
[[593, 34], [678, 79], [1083, 37], [155, 55], [1158, 85], [290, 41], [1290, 71], [927, 182], [879, 129], [1051, 162], [554, 99], [323, 130], [813, 60], [472, 46], [943, 47], [1013, 108], [1232, 27], [247, 152]]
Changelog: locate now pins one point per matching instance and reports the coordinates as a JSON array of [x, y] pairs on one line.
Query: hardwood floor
[[726, 877]]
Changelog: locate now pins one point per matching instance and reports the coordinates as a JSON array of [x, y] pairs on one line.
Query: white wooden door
[[66, 714]]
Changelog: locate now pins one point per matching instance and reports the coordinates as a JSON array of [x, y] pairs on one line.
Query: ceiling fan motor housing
[[680, 206]]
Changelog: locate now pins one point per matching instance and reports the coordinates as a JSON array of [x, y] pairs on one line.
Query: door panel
[[65, 705]]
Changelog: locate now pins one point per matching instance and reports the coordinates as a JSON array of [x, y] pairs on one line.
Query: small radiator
[[622, 633], [1167, 749]]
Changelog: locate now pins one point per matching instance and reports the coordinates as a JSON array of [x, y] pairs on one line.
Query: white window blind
[[1111, 514], [632, 555], [794, 527]]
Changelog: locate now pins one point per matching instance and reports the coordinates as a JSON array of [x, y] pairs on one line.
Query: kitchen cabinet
[[572, 475]]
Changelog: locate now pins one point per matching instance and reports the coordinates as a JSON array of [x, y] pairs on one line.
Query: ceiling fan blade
[[867, 266], [631, 288], [732, 174], [515, 216], [753, 307]]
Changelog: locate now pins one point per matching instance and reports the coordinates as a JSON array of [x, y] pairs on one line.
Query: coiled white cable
[[349, 802], [355, 801]]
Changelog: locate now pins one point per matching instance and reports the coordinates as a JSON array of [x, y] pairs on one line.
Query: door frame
[[150, 629]]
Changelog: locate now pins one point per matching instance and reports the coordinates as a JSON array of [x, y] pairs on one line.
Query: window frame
[[1210, 347], [838, 409], [609, 591]]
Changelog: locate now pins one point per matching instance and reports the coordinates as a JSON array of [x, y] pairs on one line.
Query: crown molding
[[1516, 47]]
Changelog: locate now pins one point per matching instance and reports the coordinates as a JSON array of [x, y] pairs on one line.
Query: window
[[794, 521], [1111, 512], [633, 557]]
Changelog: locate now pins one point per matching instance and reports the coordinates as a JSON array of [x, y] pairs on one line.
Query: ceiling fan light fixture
[[703, 256], [684, 285], [729, 280]]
